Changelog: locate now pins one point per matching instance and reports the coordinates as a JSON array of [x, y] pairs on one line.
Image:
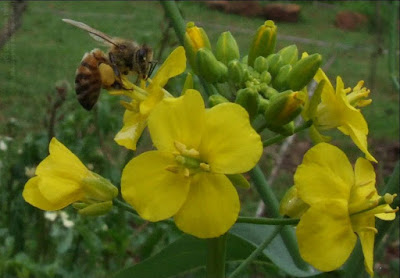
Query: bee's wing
[[95, 34]]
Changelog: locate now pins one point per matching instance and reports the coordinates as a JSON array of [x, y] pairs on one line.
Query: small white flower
[[50, 215]]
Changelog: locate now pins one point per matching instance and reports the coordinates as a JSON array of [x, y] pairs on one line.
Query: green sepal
[[303, 71], [239, 180], [280, 82], [216, 99], [262, 105], [188, 83], [312, 105], [264, 42], [275, 62], [98, 188], [227, 48], [291, 205], [248, 98], [209, 67], [236, 72], [289, 54], [285, 130], [96, 209]]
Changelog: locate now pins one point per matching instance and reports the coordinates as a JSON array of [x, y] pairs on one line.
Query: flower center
[[188, 161]]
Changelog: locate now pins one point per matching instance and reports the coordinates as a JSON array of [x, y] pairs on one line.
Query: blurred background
[[39, 55]]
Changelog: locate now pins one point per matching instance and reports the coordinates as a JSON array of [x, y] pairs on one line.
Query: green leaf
[[276, 251], [189, 253]]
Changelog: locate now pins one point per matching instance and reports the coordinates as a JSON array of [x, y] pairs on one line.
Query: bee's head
[[144, 59]]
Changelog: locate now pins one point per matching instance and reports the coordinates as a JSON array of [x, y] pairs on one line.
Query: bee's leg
[[116, 72]]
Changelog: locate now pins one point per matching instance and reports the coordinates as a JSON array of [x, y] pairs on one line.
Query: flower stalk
[[216, 251]]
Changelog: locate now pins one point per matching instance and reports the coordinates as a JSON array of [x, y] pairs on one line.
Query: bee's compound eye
[[142, 55]]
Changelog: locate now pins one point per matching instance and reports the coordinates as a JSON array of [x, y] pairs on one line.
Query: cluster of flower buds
[[264, 82]]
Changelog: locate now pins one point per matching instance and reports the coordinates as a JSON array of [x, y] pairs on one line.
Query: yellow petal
[[211, 208], [174, 65], [325, 235], [386, 216], [178, 119], [61, 163], [364, 182], [359, 138], [134, 124], [33, 196], [156, 94], [230, 145], [153, 191], [328, 88], [367, 238], [60, 190], [325, 173]]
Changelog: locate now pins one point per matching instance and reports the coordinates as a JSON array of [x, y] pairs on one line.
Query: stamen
[[172, 168], [128, 106], [205, 166], [186, 172], [366, 229]]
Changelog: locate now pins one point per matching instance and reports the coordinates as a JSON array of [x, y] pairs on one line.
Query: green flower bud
[[239, 180], [263, 42], [98, 189], [303, 71], [268, 92], [236, 72], [286, 130], [291, 205], [262, 105], [289, 54], [95, 209], [275, 62], [227, 48], [195, 39], [216, 99], [283, 108], [248, 98], [265, 77], [209, 67], [280, 82], [261, 64]]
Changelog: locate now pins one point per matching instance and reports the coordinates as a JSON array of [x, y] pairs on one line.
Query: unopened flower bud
[[280, 82], [291, 205], [265, 77], [216, 99], [261, 64], [289, 54], [195, 39], [248, 98], [303, 71], [262, 105], [286, 130], [263, 42], [284, 107], [268, 92], [227, 48], [209, 67], [236, 72], [275, 62]]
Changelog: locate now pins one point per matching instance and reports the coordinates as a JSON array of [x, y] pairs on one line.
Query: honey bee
[[124, 57]]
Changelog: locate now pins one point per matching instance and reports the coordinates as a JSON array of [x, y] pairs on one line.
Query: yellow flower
[[342, 202], [144, 99], [338, 109], [61, 179], [185, 178]]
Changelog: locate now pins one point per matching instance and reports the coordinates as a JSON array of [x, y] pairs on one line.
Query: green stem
[[279, 138], [272, 205], [178, 23], [255, 253], [267, 221], [216, 250]]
